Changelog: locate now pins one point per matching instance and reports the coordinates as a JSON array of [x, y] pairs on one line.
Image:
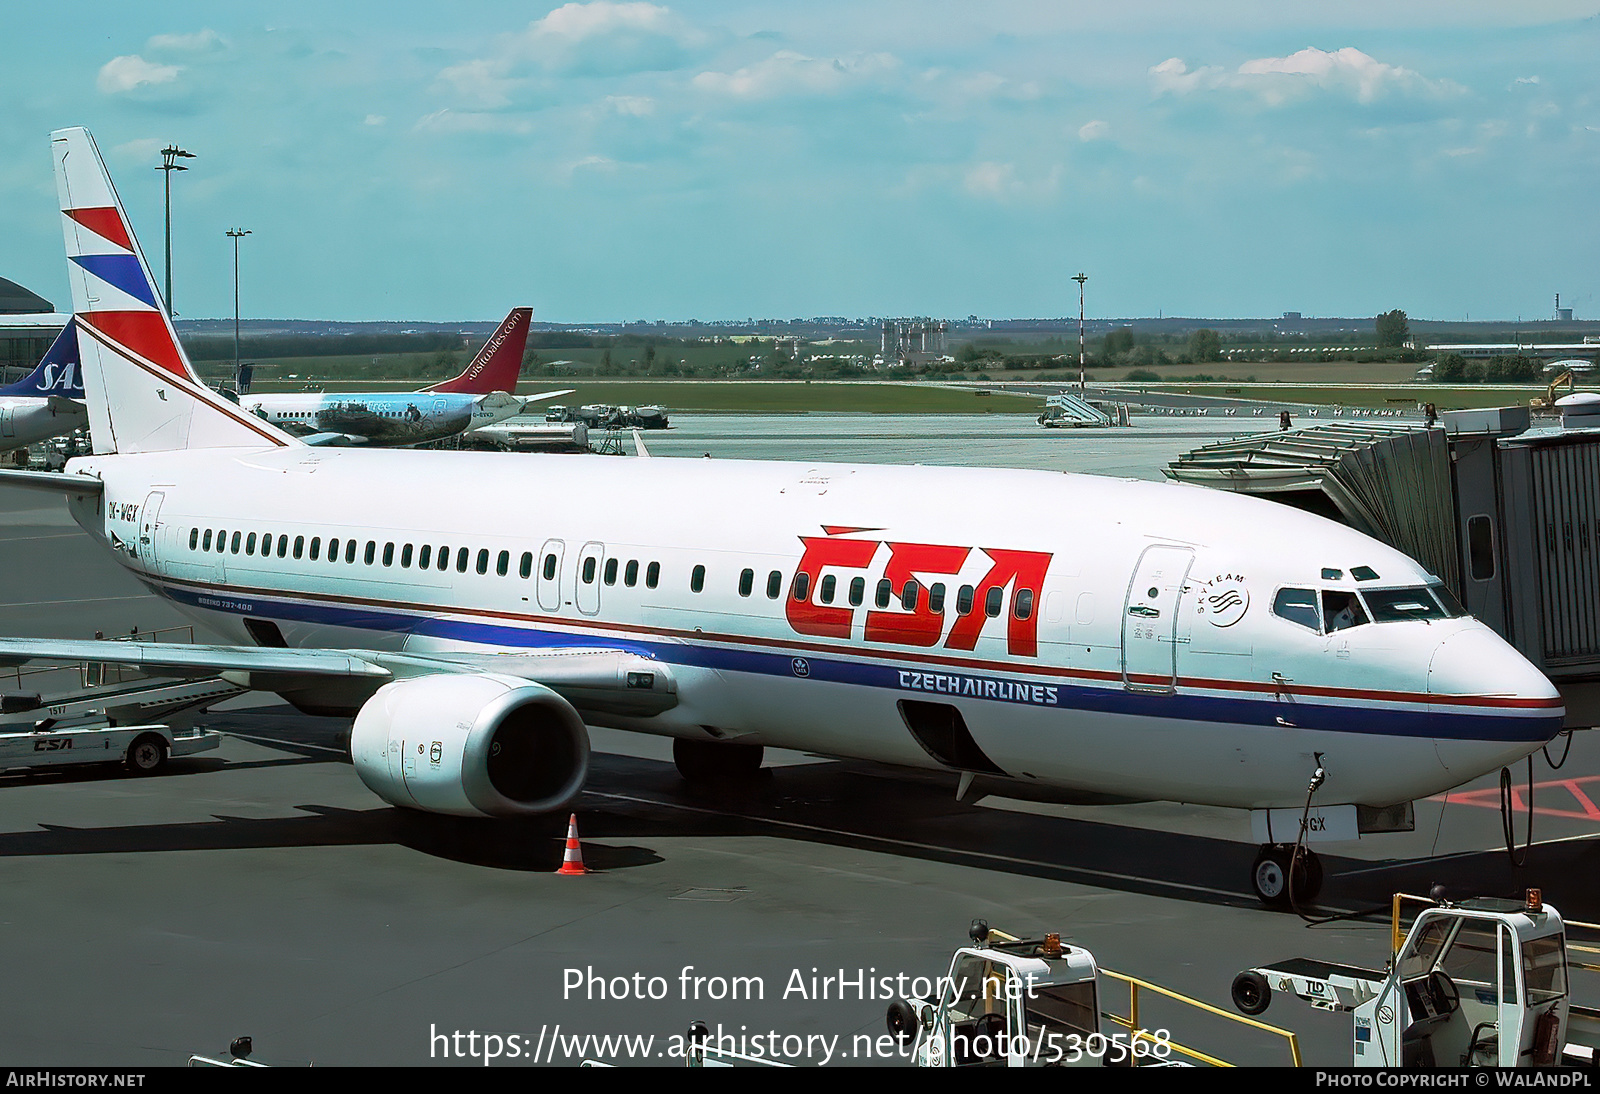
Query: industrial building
[[28, 324]]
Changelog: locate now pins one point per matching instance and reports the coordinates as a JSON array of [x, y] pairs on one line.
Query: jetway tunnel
[[1504, 511]]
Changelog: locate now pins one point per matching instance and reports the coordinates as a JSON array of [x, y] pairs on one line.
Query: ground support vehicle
[[144, 749], [1481, 983], [1037, 1002]]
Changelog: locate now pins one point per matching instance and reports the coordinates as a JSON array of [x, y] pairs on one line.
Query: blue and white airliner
[[48, 401], [1033, 634], [483, 394]]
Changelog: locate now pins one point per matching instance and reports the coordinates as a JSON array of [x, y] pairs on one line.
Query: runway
[[262, 890]]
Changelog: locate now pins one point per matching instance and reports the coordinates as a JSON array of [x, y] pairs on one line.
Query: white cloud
[[635, 106], [374, 119], [1094, 131], [139, 151], [458, 121], [789, 73], [123, 74], [201, 41], [605, 38], [1277, 80]]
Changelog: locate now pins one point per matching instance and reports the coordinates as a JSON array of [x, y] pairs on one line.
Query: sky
[[611, 161]]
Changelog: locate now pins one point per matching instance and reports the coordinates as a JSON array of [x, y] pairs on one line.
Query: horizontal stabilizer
[[51, 482]]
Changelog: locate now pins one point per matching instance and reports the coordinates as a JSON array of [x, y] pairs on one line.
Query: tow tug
[[1014, 1002], [1480, 983], [113, 716]]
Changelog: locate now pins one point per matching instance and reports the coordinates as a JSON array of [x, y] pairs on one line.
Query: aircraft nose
[[1490, 700]]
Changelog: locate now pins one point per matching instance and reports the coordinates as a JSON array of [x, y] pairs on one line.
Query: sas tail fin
[[143, 396], [498, 363], [58, 373]]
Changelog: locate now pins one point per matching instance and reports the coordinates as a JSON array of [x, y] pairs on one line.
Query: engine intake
[[471, 746]]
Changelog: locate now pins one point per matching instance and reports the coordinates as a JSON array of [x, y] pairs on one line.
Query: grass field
[[1346, 383]]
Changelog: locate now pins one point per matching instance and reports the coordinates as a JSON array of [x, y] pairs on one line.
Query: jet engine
[[471, 746]]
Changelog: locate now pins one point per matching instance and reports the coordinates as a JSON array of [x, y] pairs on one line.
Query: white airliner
[[1034, 634], [46, 403], [481, 395]]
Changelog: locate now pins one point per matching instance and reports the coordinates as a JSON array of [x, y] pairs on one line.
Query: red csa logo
[[918, 625]]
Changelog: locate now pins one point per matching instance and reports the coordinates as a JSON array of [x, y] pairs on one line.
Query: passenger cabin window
[[1342, 610], [747, 582], [299, 546], [825, 589], [350, 550], [611, 571], [194, 538], [388, 554], [802, 585], [524, 568], [909, 594], [697, 578], [405, 557], [502, 563], [205, 544], [884, 592], [483, 560], [964, 600], [630, 575], [444, 559], [858, 591], [1298, 606], [424, 556], [994, 601], [589, 568], [233, 545], [316, 548], [652, 575], [549, 567], [774, 585], [250, 544], [1022, 604], [372, 551], [463, 556]]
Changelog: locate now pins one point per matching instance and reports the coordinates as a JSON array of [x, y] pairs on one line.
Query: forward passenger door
[[1150, 619]]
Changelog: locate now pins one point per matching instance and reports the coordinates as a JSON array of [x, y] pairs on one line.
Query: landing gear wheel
[[1269, 877], [147, 754], [716, 763]]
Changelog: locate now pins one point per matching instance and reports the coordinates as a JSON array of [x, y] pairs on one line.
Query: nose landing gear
[[1271, 879]]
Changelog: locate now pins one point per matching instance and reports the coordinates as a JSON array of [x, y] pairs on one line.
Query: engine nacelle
[[471, 746]]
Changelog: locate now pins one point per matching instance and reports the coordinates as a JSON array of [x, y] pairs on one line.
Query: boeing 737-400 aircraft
[[1036, 635], [483, 394], [45, 403]]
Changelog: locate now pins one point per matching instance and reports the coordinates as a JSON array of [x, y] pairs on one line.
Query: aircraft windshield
[[1394, 605]]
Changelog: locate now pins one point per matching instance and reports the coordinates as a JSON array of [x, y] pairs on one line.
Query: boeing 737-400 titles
[[1033, 634]]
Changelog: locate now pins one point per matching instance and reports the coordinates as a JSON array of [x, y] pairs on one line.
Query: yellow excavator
[[1564, 377]]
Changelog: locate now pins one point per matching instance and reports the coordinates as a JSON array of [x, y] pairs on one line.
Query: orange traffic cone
[[572, 861]]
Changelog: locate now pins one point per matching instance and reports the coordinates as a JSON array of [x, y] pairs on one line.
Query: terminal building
[[28, 324]]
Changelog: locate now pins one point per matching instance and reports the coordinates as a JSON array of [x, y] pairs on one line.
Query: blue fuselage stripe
[[917, 681]]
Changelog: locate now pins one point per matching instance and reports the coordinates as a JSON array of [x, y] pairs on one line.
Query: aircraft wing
[[597, 681], [529, 400], [334, 440]]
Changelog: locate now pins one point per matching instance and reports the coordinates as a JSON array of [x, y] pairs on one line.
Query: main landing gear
[[716, 763], [1270, 876]]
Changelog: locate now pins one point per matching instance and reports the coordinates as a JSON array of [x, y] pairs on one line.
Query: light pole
[[1083, 386], [236, 234], [169, 156]]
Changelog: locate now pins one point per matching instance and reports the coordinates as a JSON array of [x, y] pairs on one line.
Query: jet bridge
[[1506, 515]]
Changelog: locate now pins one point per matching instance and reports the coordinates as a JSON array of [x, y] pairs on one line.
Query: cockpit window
[[1447, 600], [1342, 610], [1394, 605], [1298, 606], [1364, 573]]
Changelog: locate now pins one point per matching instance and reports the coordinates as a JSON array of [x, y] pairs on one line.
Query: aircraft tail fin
[[498, 363], [142, 393], [58, 373]]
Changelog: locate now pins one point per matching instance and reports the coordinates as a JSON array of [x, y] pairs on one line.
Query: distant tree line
[[1452, 368]]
